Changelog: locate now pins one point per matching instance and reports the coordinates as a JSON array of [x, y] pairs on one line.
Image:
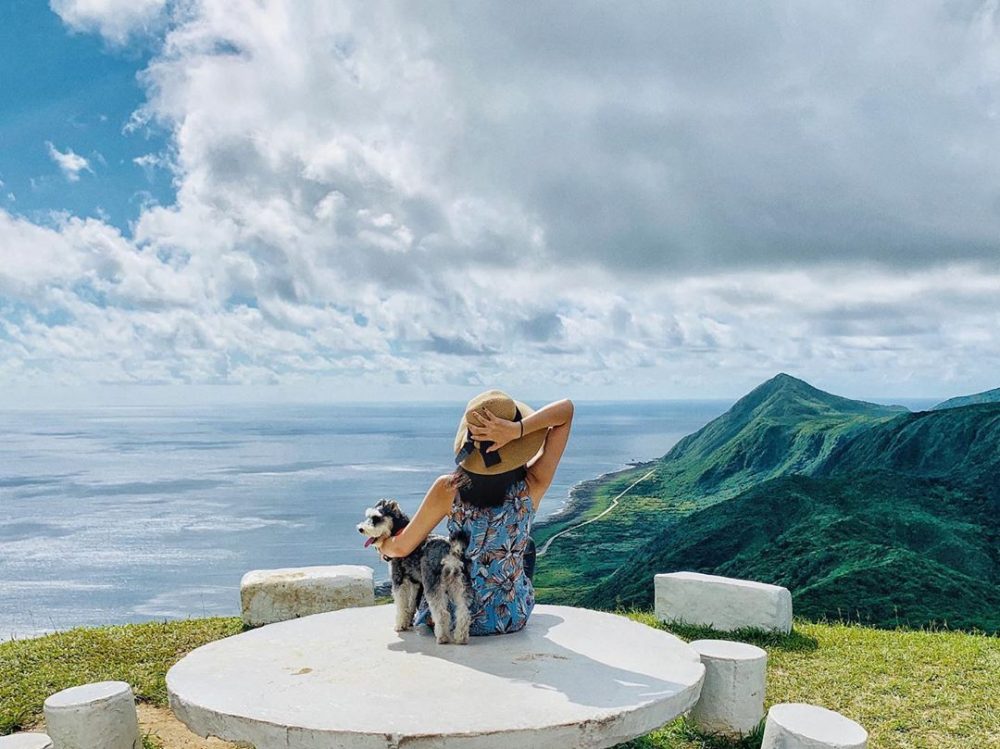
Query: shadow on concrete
[[532, 656]]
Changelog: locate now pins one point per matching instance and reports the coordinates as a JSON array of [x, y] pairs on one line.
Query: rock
[[732, 697], [383, 588], [723, 603], [269, 596], [101, 714], [794, 725], [26, 741], [571, 678]]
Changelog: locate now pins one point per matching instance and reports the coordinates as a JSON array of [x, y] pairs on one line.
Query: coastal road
[[610, 507]]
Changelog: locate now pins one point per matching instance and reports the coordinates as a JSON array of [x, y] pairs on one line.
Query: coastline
[[582, 494]]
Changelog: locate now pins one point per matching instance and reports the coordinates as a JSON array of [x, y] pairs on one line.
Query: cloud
[[70, 163], [148, 162], [654, 199], [115, 20]]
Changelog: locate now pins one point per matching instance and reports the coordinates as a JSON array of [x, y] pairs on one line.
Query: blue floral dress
[[503, 596]]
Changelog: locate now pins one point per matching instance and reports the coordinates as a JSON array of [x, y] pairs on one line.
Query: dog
[[437, 570]]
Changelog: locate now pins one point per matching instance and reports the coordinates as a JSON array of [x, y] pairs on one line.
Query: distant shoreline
[[581, 495]]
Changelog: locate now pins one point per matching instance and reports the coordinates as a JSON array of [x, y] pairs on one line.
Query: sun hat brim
[[515, 453]]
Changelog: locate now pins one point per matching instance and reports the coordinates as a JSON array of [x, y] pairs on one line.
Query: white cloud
[[115, 20], [371, 195], [69, 162], [149, 162]]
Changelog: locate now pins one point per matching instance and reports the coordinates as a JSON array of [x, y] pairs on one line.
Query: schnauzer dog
[[437, 569]]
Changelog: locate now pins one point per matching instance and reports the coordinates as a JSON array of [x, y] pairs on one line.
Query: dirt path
[[613, 505], [162, 724]]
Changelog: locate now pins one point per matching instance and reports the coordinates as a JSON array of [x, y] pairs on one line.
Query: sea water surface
[[131, 514]]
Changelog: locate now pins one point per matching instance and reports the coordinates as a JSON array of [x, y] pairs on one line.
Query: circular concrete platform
[[572, 677]]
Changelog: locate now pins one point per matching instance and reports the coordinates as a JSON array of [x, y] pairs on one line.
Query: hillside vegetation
[[990, 396], [957, 445], [870, 548], [785, 425], [865, 512]]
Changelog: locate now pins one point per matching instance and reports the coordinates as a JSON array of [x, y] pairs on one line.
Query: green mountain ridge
[[868, 546], [961, 445], [783, 426], [989, 396], [861, 510]]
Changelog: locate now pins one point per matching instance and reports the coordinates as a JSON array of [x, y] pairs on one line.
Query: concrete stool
[[732, 697], [26, 741], [101, 714], [269, 596], [794, 725], [723, 603]]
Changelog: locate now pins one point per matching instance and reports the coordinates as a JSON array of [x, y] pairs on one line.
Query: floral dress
[[503, 596]]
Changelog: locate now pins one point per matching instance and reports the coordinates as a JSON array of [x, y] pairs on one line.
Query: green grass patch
[[911, 689], [140, 654]]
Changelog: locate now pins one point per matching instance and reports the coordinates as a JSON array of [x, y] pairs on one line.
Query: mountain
[[863, 511], [990, 396], [880, 547], [783, 426], [958, 445]]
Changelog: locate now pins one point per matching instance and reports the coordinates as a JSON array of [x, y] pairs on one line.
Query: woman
[[507, 454]]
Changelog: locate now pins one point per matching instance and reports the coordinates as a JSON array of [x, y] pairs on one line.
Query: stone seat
[[795, 725], [732, 697], [572, 677], [26, 740], [723, 603], [269, 596], [99, 714]]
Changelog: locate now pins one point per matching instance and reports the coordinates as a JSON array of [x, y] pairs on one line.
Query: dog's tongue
[[369, 541]]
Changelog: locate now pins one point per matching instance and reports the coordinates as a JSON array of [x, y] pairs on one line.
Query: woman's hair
[[481, 490]]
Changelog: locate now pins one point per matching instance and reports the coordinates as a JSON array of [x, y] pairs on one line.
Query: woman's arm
[[501, 431], [542, 469], [556, 417], [436, 504]]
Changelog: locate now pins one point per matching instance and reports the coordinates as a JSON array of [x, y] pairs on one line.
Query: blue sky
[[278, 200], [69, 88]]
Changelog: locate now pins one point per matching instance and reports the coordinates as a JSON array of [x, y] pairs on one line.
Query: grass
[[911, 689], [140, 654]]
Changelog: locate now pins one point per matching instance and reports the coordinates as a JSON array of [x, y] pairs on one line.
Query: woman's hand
[[490, 427], [386, 547]]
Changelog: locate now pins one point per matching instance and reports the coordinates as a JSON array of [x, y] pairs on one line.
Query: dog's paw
[[443, 639], [401, 627]]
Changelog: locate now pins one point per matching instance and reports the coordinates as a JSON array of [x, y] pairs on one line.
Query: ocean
[[133, 514]]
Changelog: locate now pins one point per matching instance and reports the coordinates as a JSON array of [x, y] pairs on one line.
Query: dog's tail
[[456, 564]]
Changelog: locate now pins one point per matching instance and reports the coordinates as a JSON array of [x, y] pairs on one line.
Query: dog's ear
[[389, 505]]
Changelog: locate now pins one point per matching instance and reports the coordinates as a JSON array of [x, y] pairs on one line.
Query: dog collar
[[369, 541]]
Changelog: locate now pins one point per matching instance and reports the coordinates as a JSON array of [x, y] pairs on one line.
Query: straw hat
[[471, 454]]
